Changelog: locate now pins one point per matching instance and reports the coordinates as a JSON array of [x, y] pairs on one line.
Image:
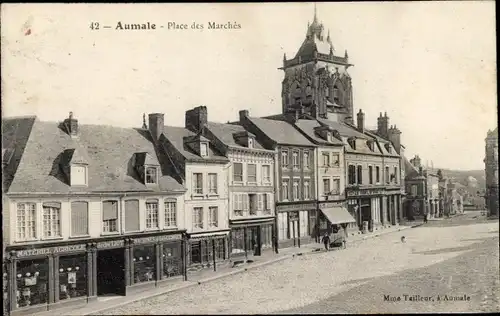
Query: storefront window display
[[220, 249], [267, 236], [238, 241], [172, 260], [32, 282], [72, 276], [144, 263]]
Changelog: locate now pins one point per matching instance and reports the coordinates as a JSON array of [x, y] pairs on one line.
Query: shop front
[[46, 277], [366, 206], [251, 237], [296, 224], [334, 219], [207, 250]]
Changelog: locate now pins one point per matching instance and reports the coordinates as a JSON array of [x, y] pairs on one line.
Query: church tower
[[316, 80]]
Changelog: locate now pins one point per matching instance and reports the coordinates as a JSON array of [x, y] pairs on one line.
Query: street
[[455, 258]]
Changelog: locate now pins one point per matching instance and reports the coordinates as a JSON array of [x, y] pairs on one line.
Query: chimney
[[394, 135], [420, 170], [71, 125], [156, 125], [361, 121], [243, 114], [196, 119], [383, 125]]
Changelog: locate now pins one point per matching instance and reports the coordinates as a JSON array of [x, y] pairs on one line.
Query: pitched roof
[[410, 170], [176, 135], [343, 129], [280, 131], [308, 126], [109, 152], [15, 135], [225, 133]]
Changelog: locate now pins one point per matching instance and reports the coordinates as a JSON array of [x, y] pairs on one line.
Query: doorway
[[256, 240], [111, 271]]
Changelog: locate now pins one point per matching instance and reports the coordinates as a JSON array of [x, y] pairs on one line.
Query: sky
[[430, 66]]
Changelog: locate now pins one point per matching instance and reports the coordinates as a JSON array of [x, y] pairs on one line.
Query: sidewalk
[[194, 279]]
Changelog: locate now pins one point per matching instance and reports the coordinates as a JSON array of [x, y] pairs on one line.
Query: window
[[267, 236], [261, 201], [296, 190], [250, 142], [282, 226], [377, 174], [304, 223], [326, 159], [26, 221], [396, 174], [351, 174], [387, 179], [252, 173], [266, 174], [132, 215], [306, 190], [151, 175], [336, 186], [326, 186], [72, 272], [284, 190], [198, 217], [306, 160], [170, 214], [238, 204], [110, 216], [203, 149], [360, 174], [144, 257], [254, 203], [329, 136], [172, 259], [79, 218], [51, 219], [335, 94], [78, 175], [335, 160], [197, 183], [212, 183], [370, 174], [151, 214], [295, 160], [213, 216], [284, 159], [414, 190], [238, 172]]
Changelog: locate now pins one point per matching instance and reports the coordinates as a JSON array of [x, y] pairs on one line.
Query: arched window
[[336, 94]]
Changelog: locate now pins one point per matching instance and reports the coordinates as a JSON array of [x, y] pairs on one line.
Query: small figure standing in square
[[326, 241]]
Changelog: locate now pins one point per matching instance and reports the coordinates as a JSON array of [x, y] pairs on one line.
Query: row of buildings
[[91, 210]]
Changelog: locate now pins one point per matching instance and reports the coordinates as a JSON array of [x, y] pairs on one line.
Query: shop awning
[[338, 215]]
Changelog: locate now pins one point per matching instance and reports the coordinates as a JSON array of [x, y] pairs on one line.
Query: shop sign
[[327, 205], [154, 239], [364, 192], [110, 244], [294, 207], [49, 250]]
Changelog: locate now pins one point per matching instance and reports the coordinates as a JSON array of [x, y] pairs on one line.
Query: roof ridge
[[18, 117]]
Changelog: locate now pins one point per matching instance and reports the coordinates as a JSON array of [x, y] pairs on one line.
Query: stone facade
[[491, 170]]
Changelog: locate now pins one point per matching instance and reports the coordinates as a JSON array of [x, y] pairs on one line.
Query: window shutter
[[131, 215], [268, 201], [235, 201], [261, 202], [79, 218], [109, 210], [245, 201]]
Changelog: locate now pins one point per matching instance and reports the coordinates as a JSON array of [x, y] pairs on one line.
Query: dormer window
[[250, 143], [78, 174], [370, 145], [329, 136], [352, 143], [151, 175], [203, 149], [335, 94]]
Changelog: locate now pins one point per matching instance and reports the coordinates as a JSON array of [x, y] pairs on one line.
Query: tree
[[440, 174]]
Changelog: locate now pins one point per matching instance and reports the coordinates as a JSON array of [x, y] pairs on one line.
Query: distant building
[[422, 190], [491, 170]]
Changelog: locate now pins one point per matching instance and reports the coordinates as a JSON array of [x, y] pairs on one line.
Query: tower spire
[[315, 13], [144, 121]]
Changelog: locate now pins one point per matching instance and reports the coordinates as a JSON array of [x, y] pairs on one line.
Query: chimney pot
[[71, 125]]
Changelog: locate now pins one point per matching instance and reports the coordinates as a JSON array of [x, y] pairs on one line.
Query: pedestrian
[[326, 241], [425, 218]]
